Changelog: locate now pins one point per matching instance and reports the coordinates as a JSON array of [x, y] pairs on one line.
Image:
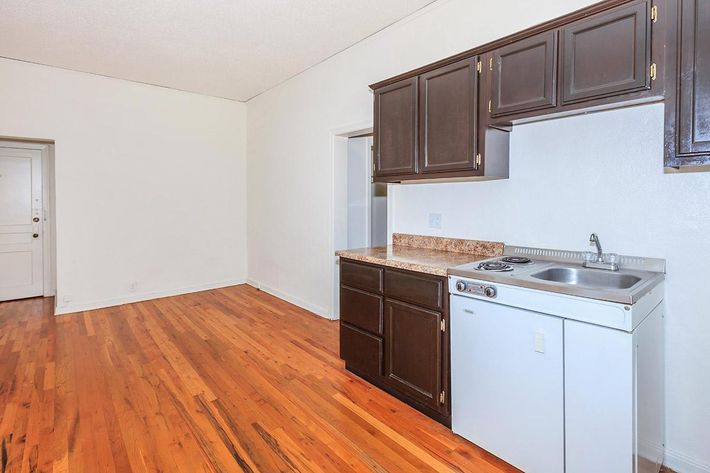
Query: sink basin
[[588, 277]]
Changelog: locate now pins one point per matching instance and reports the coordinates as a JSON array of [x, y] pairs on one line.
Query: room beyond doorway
[[367, 200]]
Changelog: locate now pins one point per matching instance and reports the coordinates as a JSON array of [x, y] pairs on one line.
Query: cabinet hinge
[[490, 64], [654, 13], [490, 106], [442, 397], [443, 325], [478, 160], [478, 67], [653, 71]]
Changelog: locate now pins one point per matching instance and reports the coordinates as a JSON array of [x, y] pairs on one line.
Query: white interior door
[[21, 264]]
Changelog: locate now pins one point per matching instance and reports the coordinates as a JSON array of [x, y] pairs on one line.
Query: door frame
[[338, 154], [49, 268]]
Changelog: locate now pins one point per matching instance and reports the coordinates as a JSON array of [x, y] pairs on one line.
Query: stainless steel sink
[[588, 277]]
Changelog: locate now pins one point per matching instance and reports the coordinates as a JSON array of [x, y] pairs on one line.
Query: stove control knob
[[490, 291], [460, 286]]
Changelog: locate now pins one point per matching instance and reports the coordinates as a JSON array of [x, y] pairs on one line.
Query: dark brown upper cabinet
[[607, 54], [694, 77], [448, 98], [395, 128], [413, 357], [524, 75], [687, 123]]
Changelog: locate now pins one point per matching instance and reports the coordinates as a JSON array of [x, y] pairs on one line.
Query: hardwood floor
[[228, 380]]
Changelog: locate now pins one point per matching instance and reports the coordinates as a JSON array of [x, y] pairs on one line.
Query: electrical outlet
[[435, 220], [67, 298], [133, 286]]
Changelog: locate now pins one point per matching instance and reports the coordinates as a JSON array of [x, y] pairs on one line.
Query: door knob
[[35, 220], [35, 235]]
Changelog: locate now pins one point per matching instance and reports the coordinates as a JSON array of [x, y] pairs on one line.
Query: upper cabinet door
[[525, 75], [694, 78], [448, 97], [395, 136], [607, 54]]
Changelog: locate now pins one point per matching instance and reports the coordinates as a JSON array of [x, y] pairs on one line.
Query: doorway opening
[[27, 232], [366, 200], [360, 206]]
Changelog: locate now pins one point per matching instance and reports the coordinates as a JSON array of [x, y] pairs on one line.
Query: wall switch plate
[[435, 220]]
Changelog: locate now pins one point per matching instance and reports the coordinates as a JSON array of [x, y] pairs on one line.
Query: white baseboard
[[682, 463], [144, 296], [292, 299]]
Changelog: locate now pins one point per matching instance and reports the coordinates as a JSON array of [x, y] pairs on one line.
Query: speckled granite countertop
[[431, 255]]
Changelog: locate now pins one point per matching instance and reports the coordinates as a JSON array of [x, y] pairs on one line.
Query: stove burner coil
[[516, 259], [495, 266]]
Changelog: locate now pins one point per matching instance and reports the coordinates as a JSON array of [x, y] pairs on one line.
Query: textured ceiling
[[226, 48]]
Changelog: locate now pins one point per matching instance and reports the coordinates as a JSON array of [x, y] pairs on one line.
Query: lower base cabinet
[[393, 333]]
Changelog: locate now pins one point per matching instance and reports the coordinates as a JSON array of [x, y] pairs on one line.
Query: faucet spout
[[594, 240], [612, 265]]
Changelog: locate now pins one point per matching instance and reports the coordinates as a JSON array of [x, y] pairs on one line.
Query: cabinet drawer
[[361, 351], [360, 276], [422, 290], [361, 309]]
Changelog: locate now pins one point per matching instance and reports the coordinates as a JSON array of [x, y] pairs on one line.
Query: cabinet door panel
[[413, 358], [395, 135], [448, 98], [525, 75], [694, 77], [598, 398], [607, 54]]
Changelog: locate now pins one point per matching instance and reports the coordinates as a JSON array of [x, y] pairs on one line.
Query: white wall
[[150, 182], [568, 178], [289, 134]]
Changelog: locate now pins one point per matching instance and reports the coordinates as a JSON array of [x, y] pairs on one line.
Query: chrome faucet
[[594, 240], [600, 263]]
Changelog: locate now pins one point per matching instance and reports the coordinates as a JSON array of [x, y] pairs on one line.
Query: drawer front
[[361, 276], [360, 350], [361, 309], [421, 290]]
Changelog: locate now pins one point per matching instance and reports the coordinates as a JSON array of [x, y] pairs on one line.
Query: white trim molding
[[320, 311], [145, 296], [682, 463]]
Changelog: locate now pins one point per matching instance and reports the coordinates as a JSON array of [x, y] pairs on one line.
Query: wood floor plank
[[221, 381]]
